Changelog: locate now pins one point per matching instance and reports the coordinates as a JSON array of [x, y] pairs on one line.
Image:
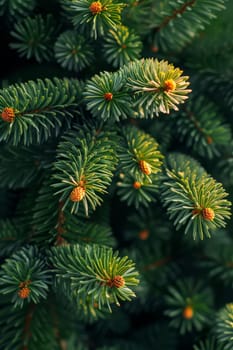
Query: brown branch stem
[[177, 12]]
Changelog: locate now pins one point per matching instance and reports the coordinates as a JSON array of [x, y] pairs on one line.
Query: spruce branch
[[137, 192], [72, 51], [31, 327], [225, 165], [208, 344], [25, 277], [94, 270], [219, 262], [16, 8], [189, 305], [157, 86], [28, 161], [135, 11], [34, 37], [84, 168], [95, 16], [121, 45], [12, 236], [202, 128], [107, 98], [224, 328], [195, 202], [177, 23], [139, 154], [31, 112]]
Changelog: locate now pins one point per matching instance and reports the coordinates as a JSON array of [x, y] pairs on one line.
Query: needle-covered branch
[[94, 271], [32, 112]]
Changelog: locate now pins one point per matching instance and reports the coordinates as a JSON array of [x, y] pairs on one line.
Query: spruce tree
[[116, 175]]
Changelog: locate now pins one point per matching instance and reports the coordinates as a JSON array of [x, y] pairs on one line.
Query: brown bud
[[137, 185], [169, 85], [117, 281], [208, 214], [8, 114], [144, 234], [96, 7], [145, 167], [77, 194], [188, 312], [24, 292], [108, 96]]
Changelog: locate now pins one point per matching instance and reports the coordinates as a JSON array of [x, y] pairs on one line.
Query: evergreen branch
[[202, 128], [225, 166], [144, 225], [29, 328], [218, 84], [31, 112], [95, 16], [55, 225], [176, 24], [16, 8], [136, 10], [176, 13], [189, 305], [121, 45], [12, 331], [155, 263], [11, 236], [84, 308], [84, 167], [139, 154], [196, 202], [48, 216], [72, 51], [28, 162], [179, 162], [157, 86], [107, 97], [219, 262], [24, 277], [209, 344], [137, 193], [81, 230], [223, 327], [95, 271], [34, 37]]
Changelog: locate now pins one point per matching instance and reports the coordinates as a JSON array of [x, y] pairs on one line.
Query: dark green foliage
[[147, 80], [115, 106], [187, 194], [29, 164], [202, 128], [34, 37], [133, 194], [97, 23], [92, 267], [189, 293], [11, 236], [219, 261], [93, 155], [209, 344], [41, 109], [26, 268], [16, 8], [72, 51], [224, 327], [122, 45], [172, 30], [126, 158], [225, 165], [138, 146]]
